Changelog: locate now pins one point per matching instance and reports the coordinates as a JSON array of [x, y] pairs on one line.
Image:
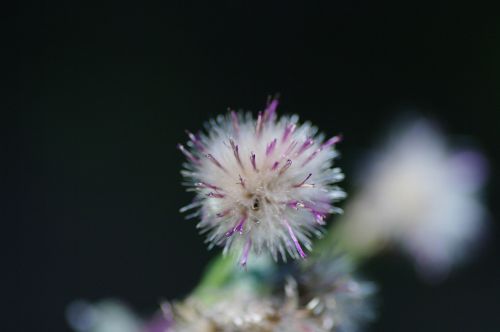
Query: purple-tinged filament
[[307, 144], [270, 111], [303, 182], [196, 141], [258, 126], [223, 213], [270, 147], [236, 153], [286, 166], [242, 181], [188, 154], [327, 144], [215, 195], [238, 228], [332, 141], [311, 157], [290, 148], [207, 185], [288, 131], [246, 251], [215, 161], [235, 122], [319, 217], [295, 204], [294, 239], [252, 160]]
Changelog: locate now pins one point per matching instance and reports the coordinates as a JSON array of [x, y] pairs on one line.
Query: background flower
[[103, 316], [422, 196]]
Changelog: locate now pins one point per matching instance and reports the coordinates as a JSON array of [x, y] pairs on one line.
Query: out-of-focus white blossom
[[104, 316], [114, 316], [421, 196], [262, 185]]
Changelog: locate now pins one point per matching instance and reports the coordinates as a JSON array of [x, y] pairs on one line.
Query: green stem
[[217, 274], [336, 240]]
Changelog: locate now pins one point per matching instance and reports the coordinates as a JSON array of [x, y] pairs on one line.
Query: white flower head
[[262, 185], [421, 196]]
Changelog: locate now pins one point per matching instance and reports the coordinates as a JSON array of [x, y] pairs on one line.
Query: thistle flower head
[[262, 185]]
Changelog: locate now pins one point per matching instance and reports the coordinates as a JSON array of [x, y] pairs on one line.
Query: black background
[[101, 93]]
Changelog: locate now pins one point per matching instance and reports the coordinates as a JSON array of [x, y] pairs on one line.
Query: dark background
[[102, 93]]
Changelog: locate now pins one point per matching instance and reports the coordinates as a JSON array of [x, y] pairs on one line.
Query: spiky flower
[[262, 185]]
